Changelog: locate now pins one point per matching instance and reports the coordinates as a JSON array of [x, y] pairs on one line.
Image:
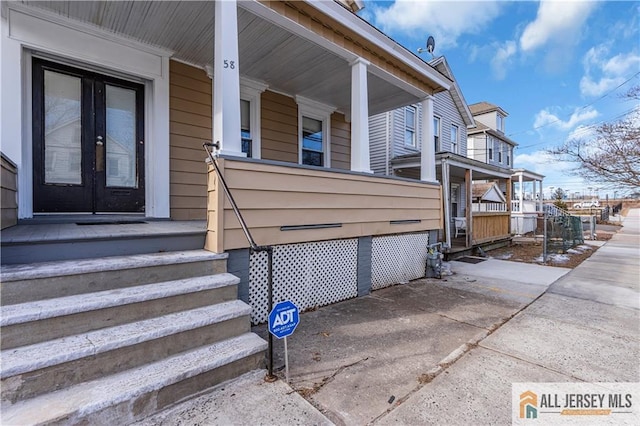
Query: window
[[250, 94], [410, 126], [454, 139], [500, 122], [436, 133], [500, 154], [508, 156], [490, 146], [314, 122], [245, 126], [312, 142]]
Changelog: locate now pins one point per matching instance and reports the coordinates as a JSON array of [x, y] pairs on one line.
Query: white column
[[226, 80], [521, 198], [428, 155], [541, 201], [360, 161]]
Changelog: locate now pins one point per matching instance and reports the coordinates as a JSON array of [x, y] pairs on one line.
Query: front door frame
[[92, 194], [30, 31]]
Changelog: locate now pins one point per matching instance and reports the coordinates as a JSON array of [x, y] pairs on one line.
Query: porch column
[[521, 208], [468, 182], [541, 201], [445, 201], [428, 155], [360, 161], [509, 186], [226, 80]]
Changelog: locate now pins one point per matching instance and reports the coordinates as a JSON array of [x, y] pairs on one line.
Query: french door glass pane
[[62, 129], [121, 137]]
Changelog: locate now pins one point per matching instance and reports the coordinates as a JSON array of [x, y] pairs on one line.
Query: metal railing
[[254, 247]]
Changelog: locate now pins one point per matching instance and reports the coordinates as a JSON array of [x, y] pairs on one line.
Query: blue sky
[[557, 67]]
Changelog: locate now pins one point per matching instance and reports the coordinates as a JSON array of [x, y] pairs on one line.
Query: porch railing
[[488, 207], [252, 243]]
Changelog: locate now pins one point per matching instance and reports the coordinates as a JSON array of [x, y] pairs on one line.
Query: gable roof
[[485, 107], [442, 65], [488, 191], [482, 128]]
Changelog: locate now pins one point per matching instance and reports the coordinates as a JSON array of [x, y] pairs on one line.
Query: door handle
[[99, 154]]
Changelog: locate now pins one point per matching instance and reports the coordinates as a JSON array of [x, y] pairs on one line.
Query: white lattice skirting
[[308, 274], [397, 259], [322, 273]]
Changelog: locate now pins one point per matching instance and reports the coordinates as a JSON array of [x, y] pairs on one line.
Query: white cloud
[[503, 58], [445, 21], [556, 22], [556, 173], [603, 73], [546, 118]]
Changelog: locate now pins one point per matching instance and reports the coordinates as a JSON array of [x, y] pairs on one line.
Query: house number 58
[[229, 64]]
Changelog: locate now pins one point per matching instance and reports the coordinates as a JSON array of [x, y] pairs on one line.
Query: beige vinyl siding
[[8, 193], [271, 196], [279, 131], [340, 142], [189, 126]]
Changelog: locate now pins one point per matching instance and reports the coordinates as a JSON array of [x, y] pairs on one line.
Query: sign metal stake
[[286, 360]]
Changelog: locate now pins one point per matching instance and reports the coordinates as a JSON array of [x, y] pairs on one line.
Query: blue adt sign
[[283, 319]]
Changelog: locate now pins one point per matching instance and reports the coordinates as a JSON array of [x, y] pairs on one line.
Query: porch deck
[[84, 236]]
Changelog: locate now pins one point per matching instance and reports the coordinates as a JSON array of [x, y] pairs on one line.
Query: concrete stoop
[[109, 341]]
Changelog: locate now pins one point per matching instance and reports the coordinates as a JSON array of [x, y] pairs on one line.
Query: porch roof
[[458, 164], [527, 175], [289, 56]]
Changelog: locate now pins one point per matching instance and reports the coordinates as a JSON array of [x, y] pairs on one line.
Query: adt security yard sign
[[283, 319]]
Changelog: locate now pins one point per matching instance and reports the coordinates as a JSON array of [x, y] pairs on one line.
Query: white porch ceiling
[[267, 52]]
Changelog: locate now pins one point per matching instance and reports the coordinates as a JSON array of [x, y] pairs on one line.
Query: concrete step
[[133, 394], [36, 369], [49, 241], [47, 280], [32, 322]]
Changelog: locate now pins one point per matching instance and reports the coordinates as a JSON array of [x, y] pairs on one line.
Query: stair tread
[[90, 397], [112, 263], [23, 359], [49, 308]]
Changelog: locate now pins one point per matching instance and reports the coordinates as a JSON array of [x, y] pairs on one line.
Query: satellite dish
[[431, 45]]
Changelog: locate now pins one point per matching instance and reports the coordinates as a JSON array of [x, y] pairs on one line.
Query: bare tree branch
[[611, 157]]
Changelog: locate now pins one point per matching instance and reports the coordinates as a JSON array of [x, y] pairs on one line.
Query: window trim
[[317, 111], [500, 122], [437, 125], [414, 144], [251, 91], [455, 143], [491, 148]]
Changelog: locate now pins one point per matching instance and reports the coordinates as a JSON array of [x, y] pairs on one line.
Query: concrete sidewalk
[[446, 351], [585, 328]]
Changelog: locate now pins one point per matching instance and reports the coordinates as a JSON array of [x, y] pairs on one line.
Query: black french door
[[88, 141]]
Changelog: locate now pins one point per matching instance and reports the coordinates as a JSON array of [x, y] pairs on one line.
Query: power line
[[557, 120]]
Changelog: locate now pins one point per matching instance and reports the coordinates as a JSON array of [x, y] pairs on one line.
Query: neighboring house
[[396, 144], [292, 84], [489, 144]]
